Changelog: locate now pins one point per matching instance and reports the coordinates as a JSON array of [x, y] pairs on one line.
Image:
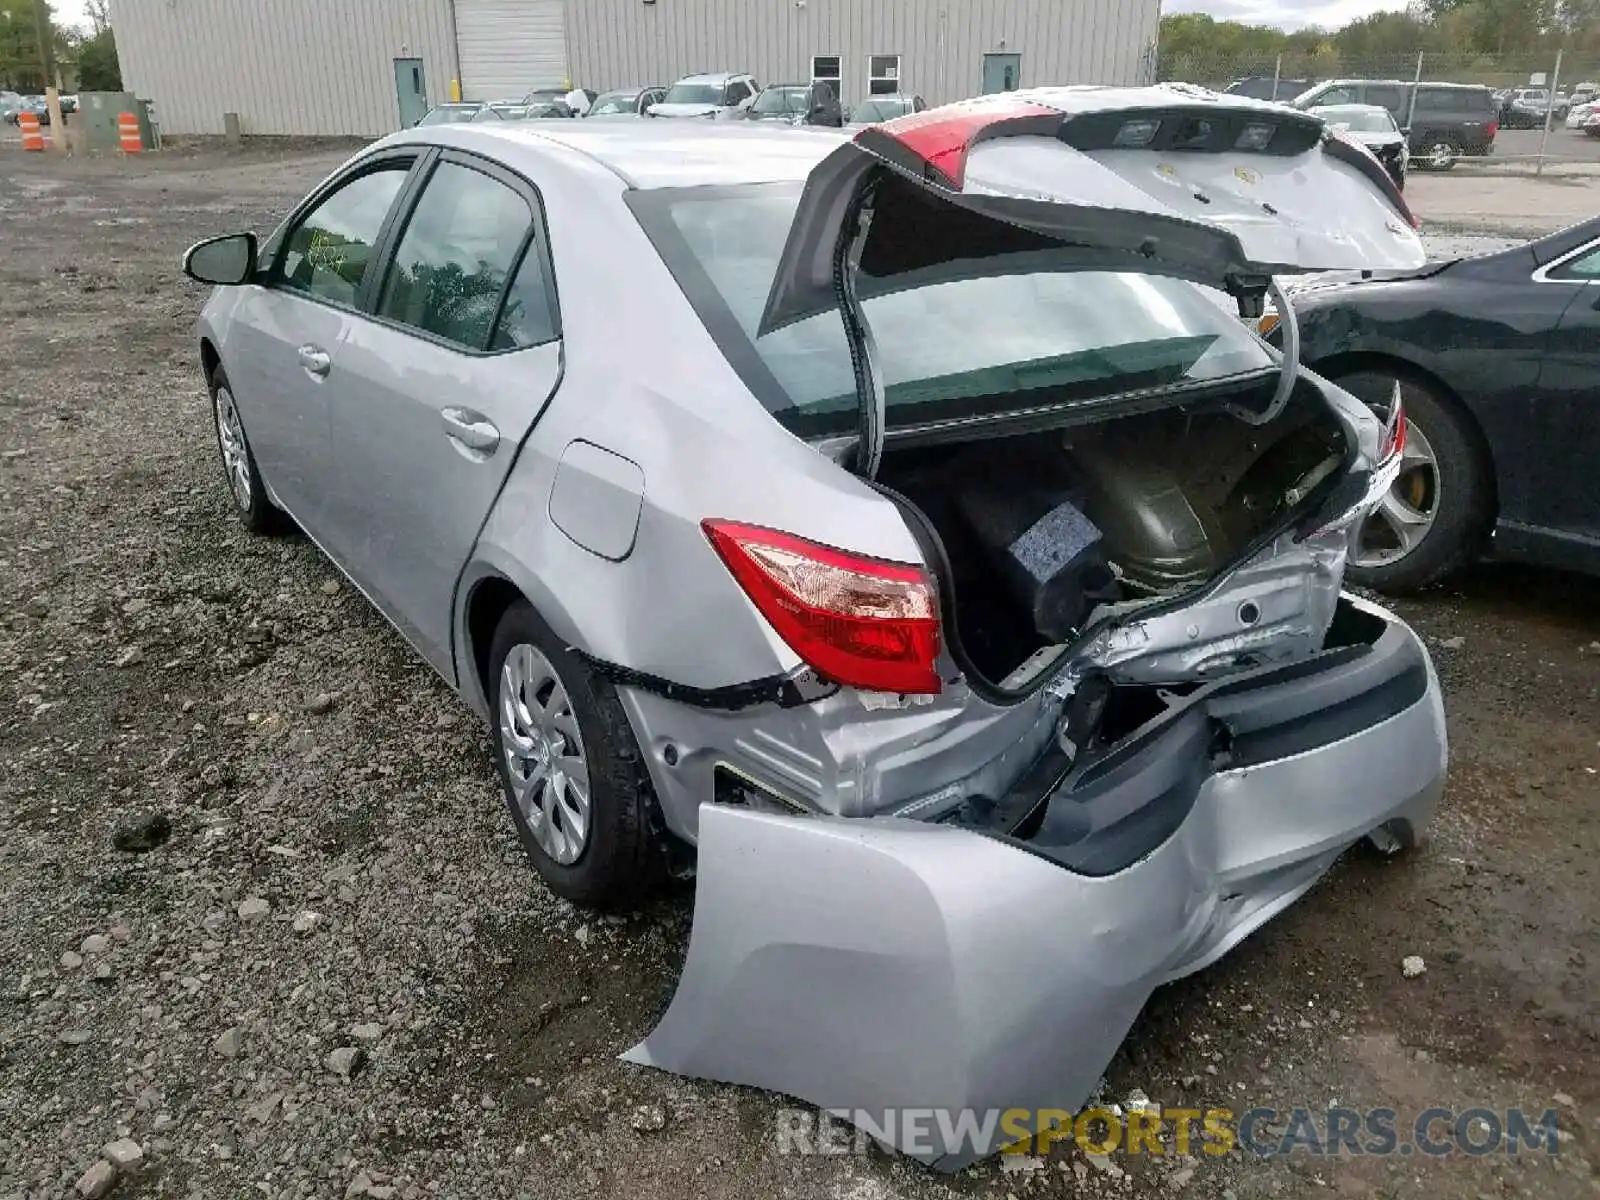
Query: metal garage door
[[510, 46]]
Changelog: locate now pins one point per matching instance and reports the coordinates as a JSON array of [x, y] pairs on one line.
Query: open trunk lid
[[1171, 180]]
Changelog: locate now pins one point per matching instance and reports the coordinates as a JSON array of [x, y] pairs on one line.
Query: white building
[[366, 67]]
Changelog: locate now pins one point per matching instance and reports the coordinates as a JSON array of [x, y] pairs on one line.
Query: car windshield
[[451, 114], [966, 339], [869, 112], [783, 100], [614, 102], [1358, 118], [694, 93]]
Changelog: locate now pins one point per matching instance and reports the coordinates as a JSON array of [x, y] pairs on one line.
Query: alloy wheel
[[1441, 155], [235, 452], [544, 754], [1408, 509]]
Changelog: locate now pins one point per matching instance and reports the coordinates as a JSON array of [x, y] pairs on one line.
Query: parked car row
[[13, 106], [1442, 122], [707, 95]]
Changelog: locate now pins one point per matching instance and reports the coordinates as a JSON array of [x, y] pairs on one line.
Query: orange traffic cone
[[128, 133], [32, 135]]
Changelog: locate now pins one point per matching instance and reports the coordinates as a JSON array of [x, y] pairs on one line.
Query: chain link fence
[[1516, 80]]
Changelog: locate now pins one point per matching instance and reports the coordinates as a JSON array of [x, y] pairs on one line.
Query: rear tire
[[571, 769], [1452, 490], [1440, 155], [257, 513]]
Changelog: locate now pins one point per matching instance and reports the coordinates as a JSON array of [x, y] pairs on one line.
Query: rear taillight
[[859, 621], [1492, 128], [1393, 441]]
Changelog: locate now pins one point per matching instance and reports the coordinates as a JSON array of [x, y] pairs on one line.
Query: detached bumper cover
[[885, 964]]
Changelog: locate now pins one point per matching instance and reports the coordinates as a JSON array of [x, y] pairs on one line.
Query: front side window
[[883, 75], [327, 253], [968, 338], [459, 248], [737, 91]]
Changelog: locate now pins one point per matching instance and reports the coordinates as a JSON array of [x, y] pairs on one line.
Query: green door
[[410, 90], [1001, 73]]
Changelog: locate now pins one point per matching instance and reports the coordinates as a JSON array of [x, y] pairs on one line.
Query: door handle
[[472, 429], [316, 361]]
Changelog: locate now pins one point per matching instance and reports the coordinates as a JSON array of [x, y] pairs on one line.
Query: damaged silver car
[[914, 545]]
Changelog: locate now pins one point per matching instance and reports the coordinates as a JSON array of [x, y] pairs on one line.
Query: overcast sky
[[70, 12], [1286, 14]]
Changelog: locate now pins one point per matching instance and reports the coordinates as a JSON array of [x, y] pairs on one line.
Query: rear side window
[[529, 316], [1585, 266], [327, 253], [961, 340], [460, 247]]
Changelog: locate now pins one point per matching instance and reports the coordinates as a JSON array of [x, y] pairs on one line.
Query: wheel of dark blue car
[[573, 776], [1435, 518], [249, 496]]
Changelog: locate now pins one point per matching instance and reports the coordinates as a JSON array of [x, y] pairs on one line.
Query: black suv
[[1450, 119]]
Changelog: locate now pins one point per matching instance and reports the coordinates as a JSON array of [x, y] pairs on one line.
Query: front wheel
[[1436, 517], [573, 776], [256, 511]]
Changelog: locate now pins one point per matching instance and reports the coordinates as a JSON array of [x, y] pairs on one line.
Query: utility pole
[[47, 65]]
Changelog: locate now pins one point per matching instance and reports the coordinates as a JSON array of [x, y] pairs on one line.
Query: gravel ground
[[265, 918]]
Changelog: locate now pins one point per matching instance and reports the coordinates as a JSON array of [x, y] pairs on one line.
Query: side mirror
[[746, 103], [228, 260]]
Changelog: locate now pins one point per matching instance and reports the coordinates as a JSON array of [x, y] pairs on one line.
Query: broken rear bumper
[[879, 965]]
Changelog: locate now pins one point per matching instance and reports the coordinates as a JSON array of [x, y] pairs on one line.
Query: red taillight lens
[[859, 621], [1493, 128], [1393, 441]]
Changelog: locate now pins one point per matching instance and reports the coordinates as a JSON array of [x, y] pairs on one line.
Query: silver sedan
[[893, 529]]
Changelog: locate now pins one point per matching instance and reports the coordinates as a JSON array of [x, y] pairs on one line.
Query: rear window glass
[[973, 337]]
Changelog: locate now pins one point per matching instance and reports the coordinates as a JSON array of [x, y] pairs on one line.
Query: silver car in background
[[893, 528], [712, 96]]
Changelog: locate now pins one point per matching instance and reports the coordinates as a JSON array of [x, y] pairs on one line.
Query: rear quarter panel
[[644, 380]]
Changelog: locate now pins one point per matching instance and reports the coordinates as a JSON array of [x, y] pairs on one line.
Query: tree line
[[1467, 38], [91, 55]]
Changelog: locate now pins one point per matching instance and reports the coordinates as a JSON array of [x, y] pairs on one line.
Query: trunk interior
[[1039, 531]]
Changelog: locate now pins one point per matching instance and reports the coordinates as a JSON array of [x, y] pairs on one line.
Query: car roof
[[713, 76], [1427, 83], [652, 154]]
